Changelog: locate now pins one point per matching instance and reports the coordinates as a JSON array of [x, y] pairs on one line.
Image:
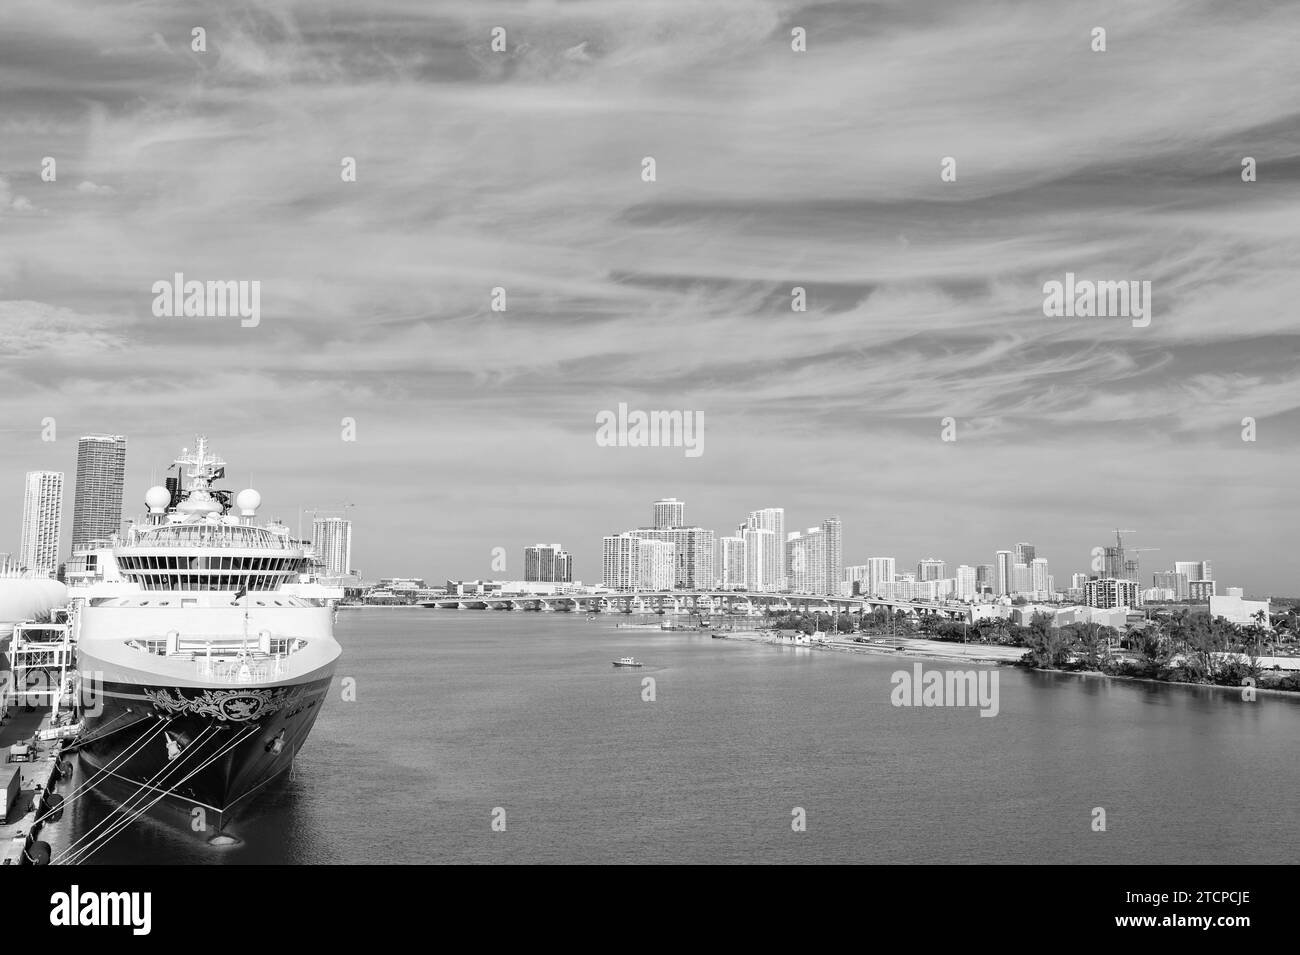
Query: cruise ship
[[205, 651]]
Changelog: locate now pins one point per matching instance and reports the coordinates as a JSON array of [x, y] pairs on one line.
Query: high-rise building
[[986, 578], [854, 575], [1040, 581], [669, 512], [733, 563], [814, 559], [771, 519], [1194, 569], [1173, 581], [834, 531], [964, 583], [1005, 563], [38, 550], [97, 507], [1113, 563], [620, 561], [1108, 593], [930, 569], [880, 577], [1020, 581], [693, 553], [332, 542], [760, 557], [657, 572], [547, 563], [1201, 589], [630, 562], [1024, 553]]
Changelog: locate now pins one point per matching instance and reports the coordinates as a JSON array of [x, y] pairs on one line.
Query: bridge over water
[[693, 601]]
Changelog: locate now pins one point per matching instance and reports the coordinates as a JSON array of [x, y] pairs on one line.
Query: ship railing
[[227, 651], [202, 543], [249, 670]]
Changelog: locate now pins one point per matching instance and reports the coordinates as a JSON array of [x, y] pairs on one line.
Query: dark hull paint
[[224, 739]]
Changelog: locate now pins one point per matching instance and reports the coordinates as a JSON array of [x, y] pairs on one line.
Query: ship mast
[[202, 468]]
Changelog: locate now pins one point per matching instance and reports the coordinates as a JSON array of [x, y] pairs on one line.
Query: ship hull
[[196, 754]]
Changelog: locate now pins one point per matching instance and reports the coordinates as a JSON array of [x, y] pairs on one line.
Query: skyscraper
[[930, 569], [42, 522], [985, 578], [631, 562], [693, 553], [547, 563], [620, 559], [733, 562], [761, 547], [773, 560], [332, 542], [815, 558], [964, 582], [1004, 563], [669, 512], [1024, 552], [1020, 580], [1040, 581], [1173, 581], [1194, 569], [880, 577], [834, 570], [101, 470]]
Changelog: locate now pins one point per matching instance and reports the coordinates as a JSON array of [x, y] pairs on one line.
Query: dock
[[36, 776]]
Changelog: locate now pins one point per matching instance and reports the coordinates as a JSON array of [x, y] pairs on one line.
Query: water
[[458, 713]]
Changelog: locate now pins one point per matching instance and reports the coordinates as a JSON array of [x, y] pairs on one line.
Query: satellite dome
[[248, 501], [157, 498]]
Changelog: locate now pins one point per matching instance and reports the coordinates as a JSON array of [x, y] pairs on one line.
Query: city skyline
[[1148, 579]]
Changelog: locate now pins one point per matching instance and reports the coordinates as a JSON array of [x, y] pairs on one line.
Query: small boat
[[627, 662]]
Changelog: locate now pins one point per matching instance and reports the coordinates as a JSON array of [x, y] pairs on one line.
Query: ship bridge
[[210, 555]]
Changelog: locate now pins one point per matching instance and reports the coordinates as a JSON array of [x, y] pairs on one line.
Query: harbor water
[[457, 719]]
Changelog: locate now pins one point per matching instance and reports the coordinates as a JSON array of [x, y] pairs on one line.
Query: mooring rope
[[108, 836]]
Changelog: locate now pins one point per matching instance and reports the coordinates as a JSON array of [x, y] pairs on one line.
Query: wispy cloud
[[775, 169]]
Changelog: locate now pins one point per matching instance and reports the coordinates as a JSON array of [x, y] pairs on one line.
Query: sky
[[774, 169]]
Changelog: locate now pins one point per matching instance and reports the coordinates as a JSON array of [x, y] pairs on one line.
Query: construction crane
[[1133, 574]]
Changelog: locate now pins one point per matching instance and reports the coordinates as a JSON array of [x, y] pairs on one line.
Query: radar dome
[[157, 498], [248, 501]]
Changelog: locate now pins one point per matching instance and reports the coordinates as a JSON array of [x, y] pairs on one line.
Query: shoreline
[[1147, 679], [927, 653], [930, 650]]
